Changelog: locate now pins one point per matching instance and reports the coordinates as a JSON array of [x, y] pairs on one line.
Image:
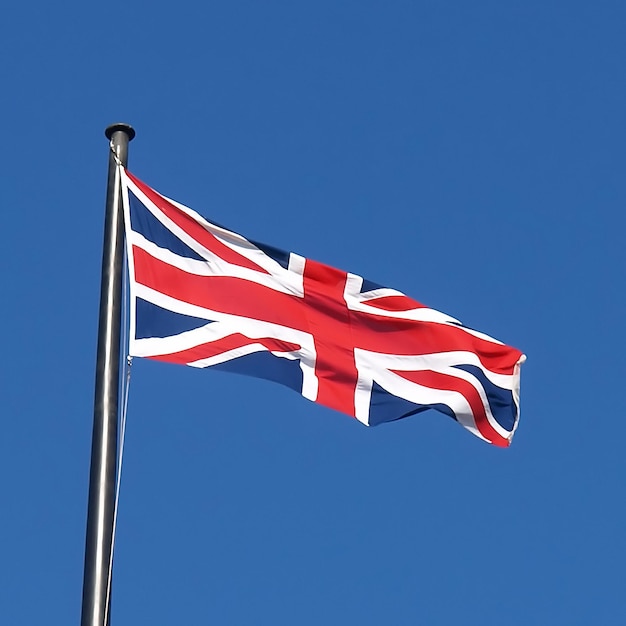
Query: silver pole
[[104, 436]]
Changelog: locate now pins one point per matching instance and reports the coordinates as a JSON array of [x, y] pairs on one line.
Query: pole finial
[[120, 126]]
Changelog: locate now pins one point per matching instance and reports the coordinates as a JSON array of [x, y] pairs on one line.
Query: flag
[[205, 296]]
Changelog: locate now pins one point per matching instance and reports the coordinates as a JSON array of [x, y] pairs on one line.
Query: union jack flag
[[204, 296]]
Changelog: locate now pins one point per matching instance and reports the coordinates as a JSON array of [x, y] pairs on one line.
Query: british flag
[[204, 296]]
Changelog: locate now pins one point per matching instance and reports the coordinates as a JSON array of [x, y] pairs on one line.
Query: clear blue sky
[[470, 154]]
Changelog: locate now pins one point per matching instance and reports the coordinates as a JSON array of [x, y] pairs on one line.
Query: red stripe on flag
[[223, 294], [409, 337], [219, 346], [446, 382], [330, 323], [322, 312], [394, 303], [194, 229]]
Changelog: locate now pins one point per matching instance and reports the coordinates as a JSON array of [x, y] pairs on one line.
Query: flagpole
[[102, 477]]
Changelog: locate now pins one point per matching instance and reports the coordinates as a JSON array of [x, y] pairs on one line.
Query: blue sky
[[468, 154]]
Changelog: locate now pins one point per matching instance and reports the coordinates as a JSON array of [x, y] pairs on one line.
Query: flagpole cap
[[127, 129]]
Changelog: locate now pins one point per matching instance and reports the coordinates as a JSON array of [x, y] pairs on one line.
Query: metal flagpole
[[104, 437]]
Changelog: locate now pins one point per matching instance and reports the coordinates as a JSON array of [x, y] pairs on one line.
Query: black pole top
[[120, 126]]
